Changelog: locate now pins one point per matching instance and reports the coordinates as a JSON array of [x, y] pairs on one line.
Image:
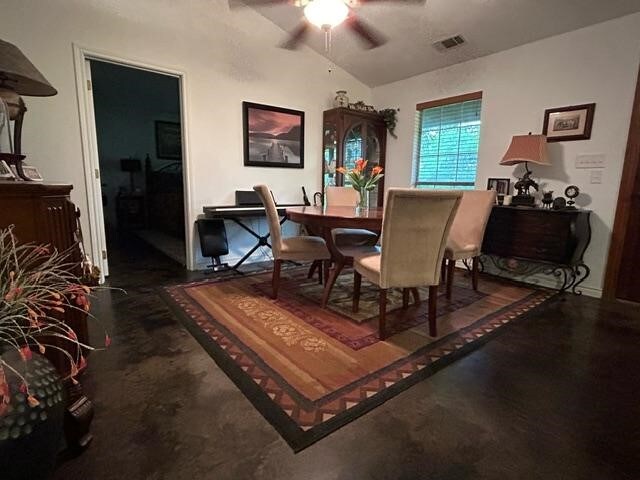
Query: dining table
[[321, 220]]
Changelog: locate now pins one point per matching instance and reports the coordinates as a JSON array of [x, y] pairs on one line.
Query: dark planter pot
[[31, 437]]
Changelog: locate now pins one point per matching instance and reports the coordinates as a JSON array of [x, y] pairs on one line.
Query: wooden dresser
[[526, 240], [43, 213]]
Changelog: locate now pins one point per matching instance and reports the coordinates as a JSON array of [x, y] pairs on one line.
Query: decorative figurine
[[559, 203], [571, 192], [523, 186], [547, 199], [341, 100]]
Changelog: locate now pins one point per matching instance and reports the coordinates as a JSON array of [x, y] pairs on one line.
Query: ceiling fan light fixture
[[326, 13]]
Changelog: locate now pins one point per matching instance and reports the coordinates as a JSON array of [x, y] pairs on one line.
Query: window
[[448, 135]]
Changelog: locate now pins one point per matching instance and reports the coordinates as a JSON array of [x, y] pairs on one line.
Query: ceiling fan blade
[[357, 3], [297, 36], [256, 3], [367, 34]]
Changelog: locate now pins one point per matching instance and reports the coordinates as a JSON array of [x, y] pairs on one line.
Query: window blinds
[[447, 146]]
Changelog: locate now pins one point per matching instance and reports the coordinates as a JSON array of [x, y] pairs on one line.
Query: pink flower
[[25, 353], [107, 340]]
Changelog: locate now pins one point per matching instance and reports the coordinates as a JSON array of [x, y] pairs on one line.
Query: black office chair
[[213, 242]]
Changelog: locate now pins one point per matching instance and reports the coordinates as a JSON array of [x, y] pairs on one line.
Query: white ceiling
[[489, 26]]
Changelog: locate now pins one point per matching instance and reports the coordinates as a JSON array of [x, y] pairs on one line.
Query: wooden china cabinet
[[347, 136]]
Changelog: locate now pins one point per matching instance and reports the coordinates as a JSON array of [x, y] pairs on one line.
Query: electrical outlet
[[596, 176]]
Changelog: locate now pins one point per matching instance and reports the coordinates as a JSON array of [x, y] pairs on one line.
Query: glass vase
[[364, 199]]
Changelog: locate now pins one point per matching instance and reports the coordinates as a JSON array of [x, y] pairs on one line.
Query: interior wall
[[127, 103], [595, 64], [227, 57]]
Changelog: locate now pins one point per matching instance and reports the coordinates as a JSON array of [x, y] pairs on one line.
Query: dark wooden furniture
[[349, 135], [130, 211], [540, 240], [322, 220], [164, 199], [43, 213]]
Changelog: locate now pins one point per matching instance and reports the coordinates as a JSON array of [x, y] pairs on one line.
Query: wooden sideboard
[[43, 213], [526, 240]]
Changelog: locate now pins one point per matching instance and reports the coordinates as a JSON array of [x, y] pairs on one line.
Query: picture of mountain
[[274, 136]]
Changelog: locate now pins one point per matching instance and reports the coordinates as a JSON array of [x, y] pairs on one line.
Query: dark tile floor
[[556, 396]]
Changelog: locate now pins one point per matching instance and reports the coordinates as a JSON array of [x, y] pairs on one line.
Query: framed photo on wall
[[168, 140], [500, 185], [273, 136], [569, 123]]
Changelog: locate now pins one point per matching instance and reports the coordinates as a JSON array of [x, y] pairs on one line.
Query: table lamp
[[18, 76], [525, 149]]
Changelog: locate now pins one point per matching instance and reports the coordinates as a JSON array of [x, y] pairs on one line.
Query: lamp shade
[[527, 148], [17, 73]]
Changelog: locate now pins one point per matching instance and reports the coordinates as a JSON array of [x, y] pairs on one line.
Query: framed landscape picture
[[168, 140], [569, 123], [273, 136]]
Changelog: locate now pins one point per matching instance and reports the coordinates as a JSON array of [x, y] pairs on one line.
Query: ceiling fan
[[328, 14]]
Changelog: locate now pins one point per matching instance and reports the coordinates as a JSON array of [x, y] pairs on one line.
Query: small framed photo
[[32, 173], [569, 123], [5, 172], [500, 185]]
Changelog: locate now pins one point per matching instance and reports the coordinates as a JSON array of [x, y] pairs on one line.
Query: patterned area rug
[[310, 370]]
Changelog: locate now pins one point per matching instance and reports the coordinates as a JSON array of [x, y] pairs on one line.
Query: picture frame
[[273, 136], [500, 185], [569, 123], [5, 171], [32, 173], [168, 140]]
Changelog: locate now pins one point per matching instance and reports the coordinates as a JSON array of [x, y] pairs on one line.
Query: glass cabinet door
[[353, 149], [372, 154], [330, 155]]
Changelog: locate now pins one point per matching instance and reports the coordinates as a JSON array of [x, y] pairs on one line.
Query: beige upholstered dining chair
[[414, 235], [300, 248], [347, 197], [467, 232]]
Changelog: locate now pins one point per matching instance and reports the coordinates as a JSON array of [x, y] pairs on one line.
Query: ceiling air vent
[[450, 42]]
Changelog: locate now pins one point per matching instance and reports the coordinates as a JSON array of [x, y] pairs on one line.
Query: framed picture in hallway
[[568, 123], [273, 136], [168, 140]]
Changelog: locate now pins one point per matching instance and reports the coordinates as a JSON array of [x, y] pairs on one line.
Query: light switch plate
[[590, 161], [596, 176]]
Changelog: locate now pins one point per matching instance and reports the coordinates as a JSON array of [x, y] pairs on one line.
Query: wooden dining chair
[[299, 248], [415, 228], [467, 232]]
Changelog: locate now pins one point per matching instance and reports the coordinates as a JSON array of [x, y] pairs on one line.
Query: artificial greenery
[[390, 117]]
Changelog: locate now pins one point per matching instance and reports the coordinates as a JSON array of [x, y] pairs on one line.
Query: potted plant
[[362, 179], [36, 286]]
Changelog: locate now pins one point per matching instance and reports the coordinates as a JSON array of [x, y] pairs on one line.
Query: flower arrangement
[[36, 287], [362, 180]]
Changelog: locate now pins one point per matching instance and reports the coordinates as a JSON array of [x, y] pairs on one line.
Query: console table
[[43, 213], [527, 240]]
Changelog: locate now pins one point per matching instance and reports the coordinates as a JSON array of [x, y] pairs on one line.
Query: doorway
[[132, 122], [624, 252]]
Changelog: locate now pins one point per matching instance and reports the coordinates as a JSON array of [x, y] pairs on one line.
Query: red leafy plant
[[37, 286]]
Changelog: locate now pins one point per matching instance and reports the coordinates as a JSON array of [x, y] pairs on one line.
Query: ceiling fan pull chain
[[327, 39]]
